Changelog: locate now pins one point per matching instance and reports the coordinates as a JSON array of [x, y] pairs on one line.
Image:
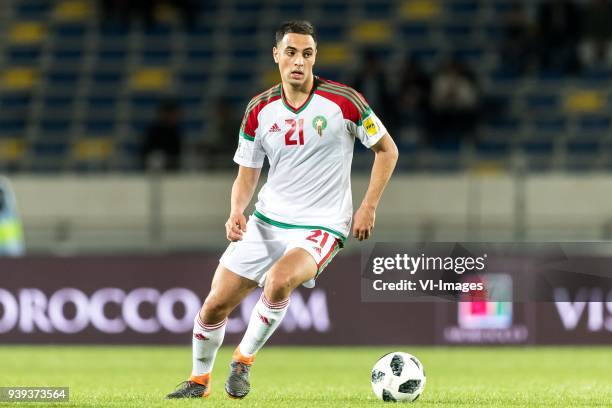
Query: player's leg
[[294, 268], [227, 291]]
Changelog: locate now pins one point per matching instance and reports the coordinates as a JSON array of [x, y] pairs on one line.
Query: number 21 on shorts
[[314, 237]]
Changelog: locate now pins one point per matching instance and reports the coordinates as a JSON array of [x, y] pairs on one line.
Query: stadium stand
[[77, 92]]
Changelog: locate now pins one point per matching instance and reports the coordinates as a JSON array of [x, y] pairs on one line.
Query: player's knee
[[213, 311], [278, 287]]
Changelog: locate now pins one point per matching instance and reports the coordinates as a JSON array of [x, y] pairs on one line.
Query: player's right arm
[[250, 157], [242, 193]]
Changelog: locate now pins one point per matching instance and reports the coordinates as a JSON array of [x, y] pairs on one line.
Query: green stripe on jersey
[[293, 226], [359, 104], [247, 137], [274, 91]]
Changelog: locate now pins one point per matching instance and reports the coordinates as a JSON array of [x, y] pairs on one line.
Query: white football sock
[[264, 320], [207, 339]]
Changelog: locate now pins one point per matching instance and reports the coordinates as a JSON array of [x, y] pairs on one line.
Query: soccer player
[[306, 126]]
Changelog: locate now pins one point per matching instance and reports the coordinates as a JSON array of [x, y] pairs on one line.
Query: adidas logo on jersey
[[274, 128]]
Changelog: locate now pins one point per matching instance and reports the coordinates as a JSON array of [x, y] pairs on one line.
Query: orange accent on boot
[[203, 379], [238, 356]]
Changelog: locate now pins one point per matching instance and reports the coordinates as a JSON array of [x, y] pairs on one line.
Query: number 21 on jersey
[[299, 124]]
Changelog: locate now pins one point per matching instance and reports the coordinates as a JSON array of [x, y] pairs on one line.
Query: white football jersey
[[310, 150]]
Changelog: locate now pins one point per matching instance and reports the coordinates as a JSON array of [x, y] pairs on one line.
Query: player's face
[[295, 55]]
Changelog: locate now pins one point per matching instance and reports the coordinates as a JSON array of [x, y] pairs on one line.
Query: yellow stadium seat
[[93, 149], [584, 101], [27, 33], [371, 32], [12, 149], [420, 9], [151, 79], [333, 54], [72, 9], [18, 78]]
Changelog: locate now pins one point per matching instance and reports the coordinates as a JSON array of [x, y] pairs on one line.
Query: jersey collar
[[300, 108]]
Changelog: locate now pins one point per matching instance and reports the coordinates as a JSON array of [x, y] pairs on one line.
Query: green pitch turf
[[316, 377]]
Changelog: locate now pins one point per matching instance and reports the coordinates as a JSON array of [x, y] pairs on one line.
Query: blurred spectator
[[454, 104], [163, 139], [371, 81], [518, 39], [225, 125], [596, 49], [413, 95], [559, 27]]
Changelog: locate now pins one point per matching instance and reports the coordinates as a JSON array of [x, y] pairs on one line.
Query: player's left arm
[[384, 163]]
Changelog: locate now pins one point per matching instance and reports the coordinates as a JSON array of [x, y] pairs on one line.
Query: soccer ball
[[398, 376]]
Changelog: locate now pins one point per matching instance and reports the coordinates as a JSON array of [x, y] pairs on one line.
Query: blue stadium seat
[[23, 55], [104, 78], [335, 8], [14, 101], [594, 123], [63, 78], [493, 147], [554, 124], [194, 79], [98, 102], [378, 9], [291, 9], [542, 101], [252, 7], [330, 32], [456, 31], [11, 125], [464, 8], [156, 57], [68, 32], [200, 55], [55, 126], [58, 101], [538, 146], [583, 145], [415, 31], [505, 124], [96, 127], [33, 10], [68, 55]]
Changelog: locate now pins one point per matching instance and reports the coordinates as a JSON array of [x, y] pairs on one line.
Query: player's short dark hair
[[296, 27]]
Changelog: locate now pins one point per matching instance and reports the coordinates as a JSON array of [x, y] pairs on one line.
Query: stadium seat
[[18, 78], [594, 123], [585, 101], [371, 32], [550, 125], [27, 33], [542, 101], [12, 149], [378, 9], [28, 11], [21, 55], [72, 10], [150, 79], [95, 149], [420, 9], [333, 54]]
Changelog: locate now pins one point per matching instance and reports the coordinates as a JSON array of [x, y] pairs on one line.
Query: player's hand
[[235, 227], [363, 222]]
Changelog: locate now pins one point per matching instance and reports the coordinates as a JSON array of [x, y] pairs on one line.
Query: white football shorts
[[263, 244]]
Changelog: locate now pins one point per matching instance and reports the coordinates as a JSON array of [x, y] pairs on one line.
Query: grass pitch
[[141, 376]]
